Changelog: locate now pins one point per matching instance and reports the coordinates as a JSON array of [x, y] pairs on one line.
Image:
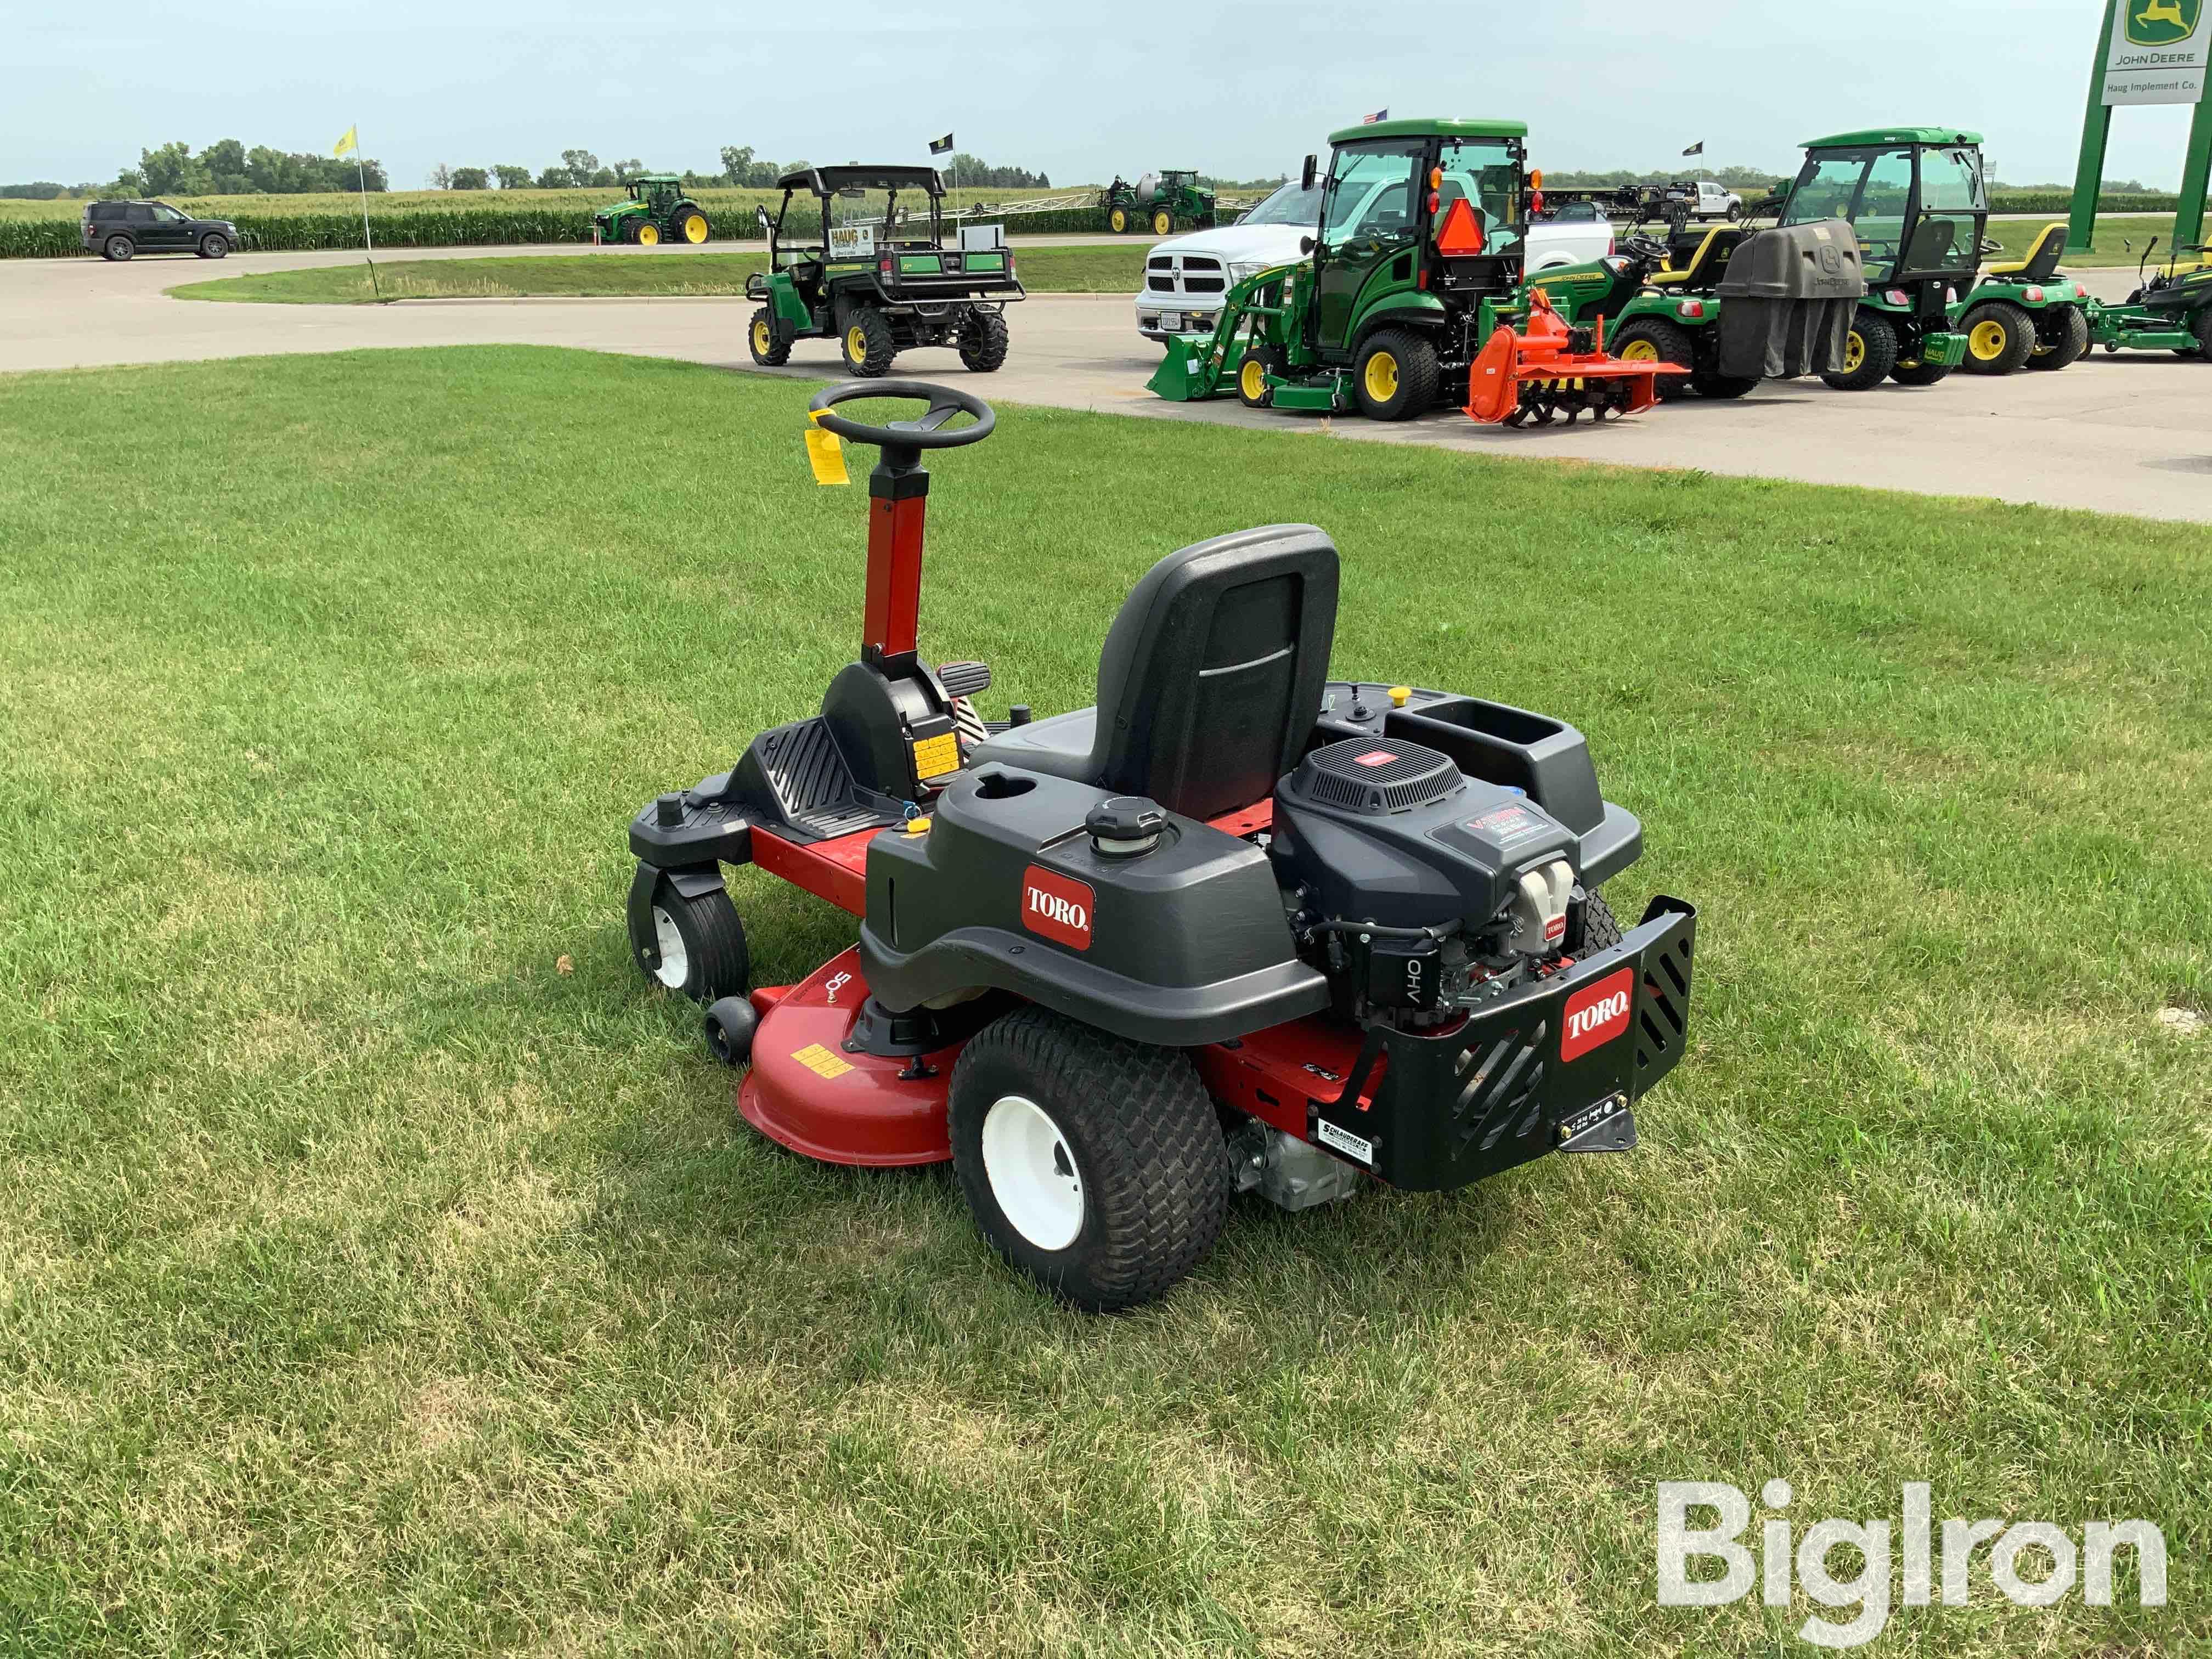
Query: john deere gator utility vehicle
[[1410, 293], [1156, 201], [658, 211], [878, 286], [2170, 311], [2025, 313], [1915, 196]]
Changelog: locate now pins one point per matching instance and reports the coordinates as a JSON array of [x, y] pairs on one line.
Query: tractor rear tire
[[2000, 335], [1093, 1164], [691, 227], [1163, 222], [1874, 338], [1394, 376], [1252, 388], [694, 947], [868, 345], [983, 342], [1654, 339], [2070, 345], [768, 340]]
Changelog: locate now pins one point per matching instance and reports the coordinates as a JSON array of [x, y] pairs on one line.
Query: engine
[[1418, 890]]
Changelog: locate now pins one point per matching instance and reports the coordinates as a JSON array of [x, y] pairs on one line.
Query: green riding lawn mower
[[1157, 202], [657, 211], [1410, 294], [2025, 314], [881, 285], [2169, 311]]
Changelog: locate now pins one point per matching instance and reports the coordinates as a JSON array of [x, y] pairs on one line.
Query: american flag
[[1370, 120]]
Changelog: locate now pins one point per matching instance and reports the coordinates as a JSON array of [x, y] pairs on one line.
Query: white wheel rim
[[675, 961], [1032, 1173]]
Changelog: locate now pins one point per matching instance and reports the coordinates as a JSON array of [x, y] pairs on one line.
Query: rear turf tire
[[1093, 1164], [1394, 377], [2069, 345], [1654, 339], [2000, 335], [867, 344], [694, 947], [768, 340], [1869, 352], [983, 342]]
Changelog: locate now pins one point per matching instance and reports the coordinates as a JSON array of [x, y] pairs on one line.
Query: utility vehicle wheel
[[1920, 374], [1118, 220], [768, 340], [694, 946], [118, 248], [1655, 340], [1601, 928], [214, 246], [983, 342], [1252, 389], [645, 233], [692, 226], [2000, 335], [2068, 341], [1092, 1164], [868, 345], [1163, 222], [1869, 352], [1394, 376]]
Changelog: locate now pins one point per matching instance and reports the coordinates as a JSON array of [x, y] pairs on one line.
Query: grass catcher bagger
[[1237, 926]]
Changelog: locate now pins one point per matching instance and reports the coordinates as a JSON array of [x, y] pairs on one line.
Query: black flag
[[939, 146], [1698, 149]]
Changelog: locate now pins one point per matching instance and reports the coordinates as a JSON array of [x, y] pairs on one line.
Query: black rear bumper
[[1544, 1068]]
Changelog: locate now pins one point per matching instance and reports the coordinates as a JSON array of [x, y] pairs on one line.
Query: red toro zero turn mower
[[1238, 925]]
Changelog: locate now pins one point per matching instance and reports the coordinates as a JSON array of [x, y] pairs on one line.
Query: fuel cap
[[1124, 826]]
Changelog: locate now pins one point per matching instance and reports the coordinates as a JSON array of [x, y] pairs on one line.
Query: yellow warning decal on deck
[[823, 452], [820, 1061], [934, 756]]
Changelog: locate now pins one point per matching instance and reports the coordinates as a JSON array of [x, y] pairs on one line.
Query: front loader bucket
[[1553, 370], [1177, 378]]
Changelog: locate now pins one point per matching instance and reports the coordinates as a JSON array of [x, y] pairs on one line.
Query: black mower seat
[[1210, 677]]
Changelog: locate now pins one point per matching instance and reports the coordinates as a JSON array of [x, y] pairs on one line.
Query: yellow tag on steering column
[[823, 452]]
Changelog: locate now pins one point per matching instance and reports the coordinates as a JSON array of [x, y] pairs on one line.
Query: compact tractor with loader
[[658, 211], [1237, 926], [1157, 203], [2170, 310], [2025, 314], [1915, 195], [882, 285], [1411, 295]]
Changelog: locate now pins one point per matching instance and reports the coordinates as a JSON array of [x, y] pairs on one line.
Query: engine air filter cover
[[1374, 776]]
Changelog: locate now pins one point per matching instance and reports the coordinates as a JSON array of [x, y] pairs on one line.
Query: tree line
[[743, 168]]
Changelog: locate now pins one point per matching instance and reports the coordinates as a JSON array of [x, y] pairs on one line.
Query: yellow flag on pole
[[347, 145]]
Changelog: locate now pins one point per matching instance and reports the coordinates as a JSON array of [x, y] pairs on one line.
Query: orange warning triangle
[[1462, 236]]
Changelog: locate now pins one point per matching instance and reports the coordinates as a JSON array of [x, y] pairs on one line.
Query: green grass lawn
[[382, 1266], [1080, 270]]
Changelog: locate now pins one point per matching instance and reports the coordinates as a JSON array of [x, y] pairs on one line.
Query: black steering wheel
[[926, 431], [1647, 249]]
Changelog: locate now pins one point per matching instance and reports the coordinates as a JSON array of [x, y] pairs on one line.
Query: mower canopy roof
[[657, 179], [828, 181], [1895, 135], [1422, 128]]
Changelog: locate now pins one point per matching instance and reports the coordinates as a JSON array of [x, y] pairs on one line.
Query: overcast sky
[[1235, 88]]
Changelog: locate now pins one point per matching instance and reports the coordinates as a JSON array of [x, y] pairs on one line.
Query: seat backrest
[[1210, 677]]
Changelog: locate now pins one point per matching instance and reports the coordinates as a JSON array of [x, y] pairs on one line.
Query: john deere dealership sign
[[2159, 52]]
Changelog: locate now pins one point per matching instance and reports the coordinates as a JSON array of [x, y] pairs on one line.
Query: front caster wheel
[[1093, 1164], [695, 945], [730, 1024]]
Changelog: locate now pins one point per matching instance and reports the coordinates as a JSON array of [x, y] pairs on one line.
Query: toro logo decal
[[1597, 1014], [1057, 908], [1374, 757]]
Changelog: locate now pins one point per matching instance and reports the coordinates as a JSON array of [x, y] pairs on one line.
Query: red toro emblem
[[1597, 1013], [1056, 908], [1374, 757]]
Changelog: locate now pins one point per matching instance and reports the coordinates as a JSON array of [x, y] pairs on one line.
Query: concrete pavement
[[2131, 432]]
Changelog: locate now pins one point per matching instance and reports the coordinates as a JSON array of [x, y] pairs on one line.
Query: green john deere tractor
[[1157, 201], [2025, 313], [877, 285], [1915, 196], [658, 211], [2170, 311]]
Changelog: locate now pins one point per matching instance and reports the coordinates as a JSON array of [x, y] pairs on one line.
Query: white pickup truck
[[1185, 276], [1707, 200]]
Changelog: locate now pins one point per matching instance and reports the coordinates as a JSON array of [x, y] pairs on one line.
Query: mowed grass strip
[[1118, 269], [382, 1265]]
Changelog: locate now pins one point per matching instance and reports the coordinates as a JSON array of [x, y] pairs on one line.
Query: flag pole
[[368, 239]]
